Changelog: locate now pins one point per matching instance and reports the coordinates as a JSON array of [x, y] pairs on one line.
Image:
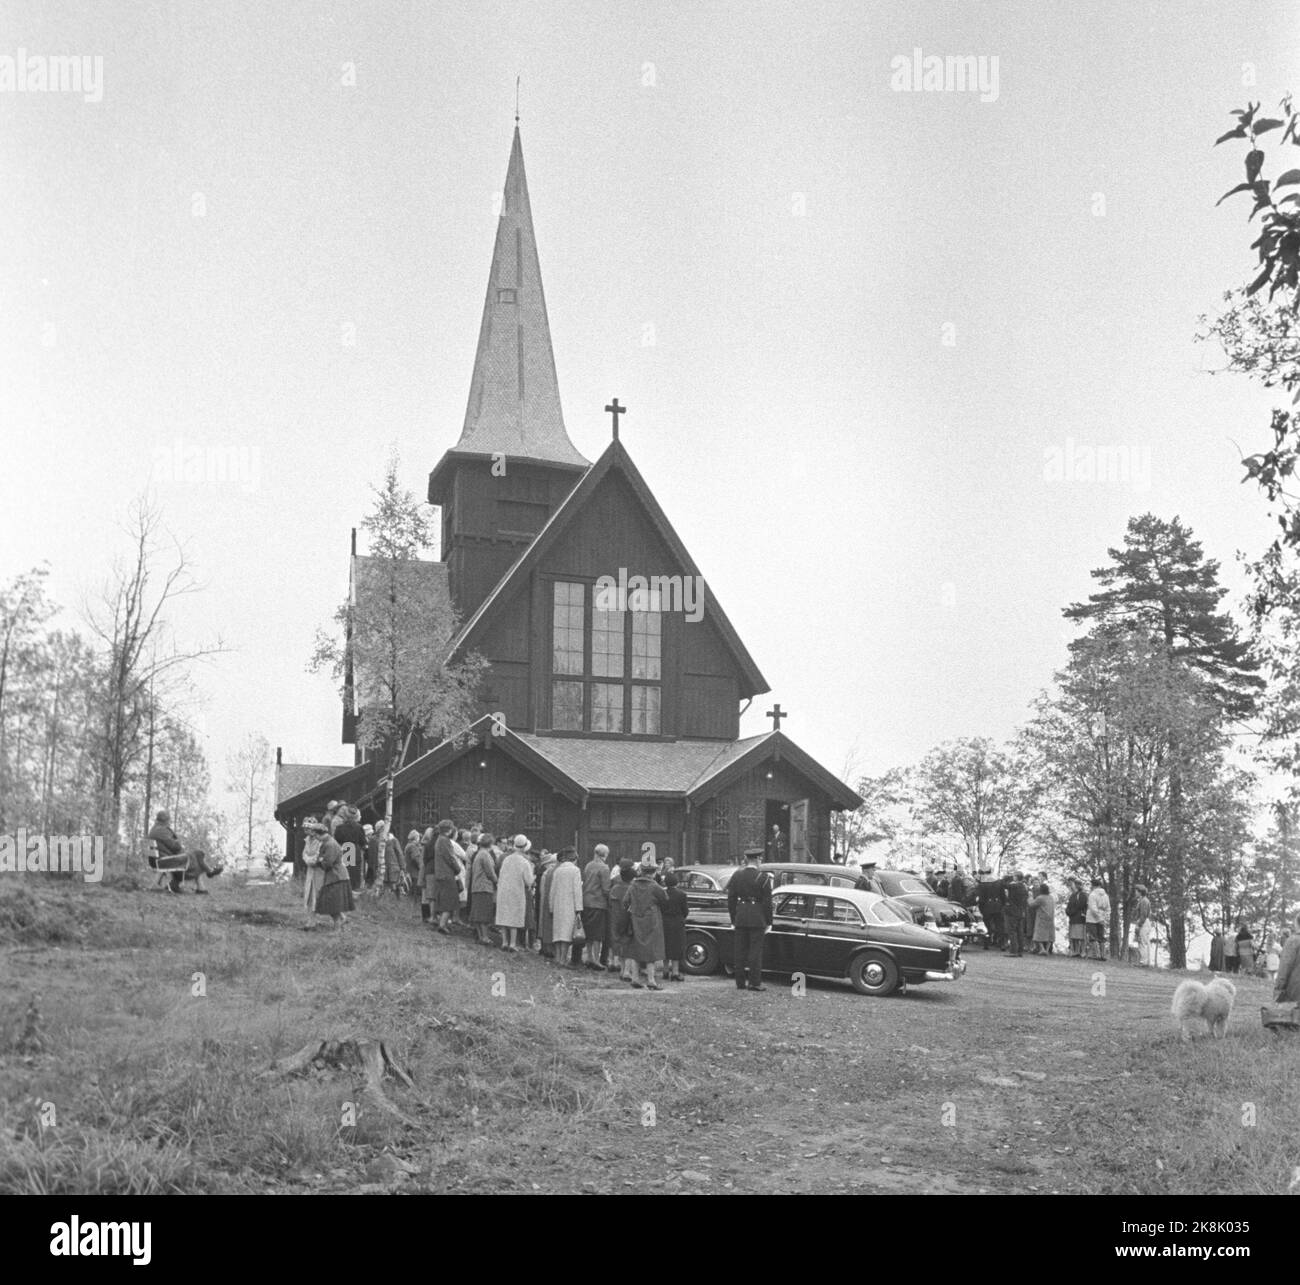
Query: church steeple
[[514, 396], [514, 463]]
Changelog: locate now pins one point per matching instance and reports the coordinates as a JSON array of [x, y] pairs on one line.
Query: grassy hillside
[[1018, 1078]]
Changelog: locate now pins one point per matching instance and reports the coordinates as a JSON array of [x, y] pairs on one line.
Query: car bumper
[[955, 970]]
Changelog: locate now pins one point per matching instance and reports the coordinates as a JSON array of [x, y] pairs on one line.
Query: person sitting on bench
[[173, 857]]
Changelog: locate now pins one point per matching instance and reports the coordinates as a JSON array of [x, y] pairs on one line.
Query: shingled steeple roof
[[514, 396]]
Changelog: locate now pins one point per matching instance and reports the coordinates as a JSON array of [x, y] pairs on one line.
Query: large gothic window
[[606, 666]]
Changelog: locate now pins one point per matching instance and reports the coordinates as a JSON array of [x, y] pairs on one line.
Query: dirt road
[[1028, 1075]]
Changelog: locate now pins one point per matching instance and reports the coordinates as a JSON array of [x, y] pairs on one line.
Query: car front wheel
[[873, 974], [701, 955]]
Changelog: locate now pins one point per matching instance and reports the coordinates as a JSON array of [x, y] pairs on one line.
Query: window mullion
[[629, 664], [588, 666]]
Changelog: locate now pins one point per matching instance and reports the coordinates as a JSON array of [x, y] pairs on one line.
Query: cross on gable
[[776, 714], [616, 410]]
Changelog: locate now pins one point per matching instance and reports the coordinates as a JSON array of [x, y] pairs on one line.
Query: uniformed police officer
[[749, 901], [988, 896]]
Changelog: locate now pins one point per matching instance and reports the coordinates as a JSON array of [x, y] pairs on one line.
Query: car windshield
[[884, 913], [723, 877]]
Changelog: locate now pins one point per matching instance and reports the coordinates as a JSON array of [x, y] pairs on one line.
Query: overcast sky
[[869, 338]]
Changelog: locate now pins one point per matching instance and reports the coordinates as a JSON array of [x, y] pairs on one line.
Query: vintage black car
[[706, 889], [941, 913], [706, 886], [832, 932]]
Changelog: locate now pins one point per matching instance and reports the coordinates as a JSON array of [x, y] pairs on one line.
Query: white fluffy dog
[[1210, 1003]]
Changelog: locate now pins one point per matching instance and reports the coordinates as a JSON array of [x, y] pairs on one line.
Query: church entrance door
[[776, 831]]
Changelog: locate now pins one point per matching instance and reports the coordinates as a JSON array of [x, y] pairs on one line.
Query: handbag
[[579, 932]]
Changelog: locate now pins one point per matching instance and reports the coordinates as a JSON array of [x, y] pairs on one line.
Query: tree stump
[[351, 1053]]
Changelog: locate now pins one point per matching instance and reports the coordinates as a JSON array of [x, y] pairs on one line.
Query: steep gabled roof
[[743, 755], [614, 458], [514, 395]]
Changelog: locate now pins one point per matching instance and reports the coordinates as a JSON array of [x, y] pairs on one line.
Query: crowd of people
[[578, 912], [1234, 949], [1020, 911], [582, 912]]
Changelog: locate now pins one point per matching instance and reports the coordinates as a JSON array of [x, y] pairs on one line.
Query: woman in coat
[[312, 830], [545, 874], [565, 905], [645, 902], [1287, 986], [394, 859], [674, 914], [465, 847], [335, 899], [1216, 953], [427, 840], [1230, 960], [441, 871], [620, 925], [1076, 911], [1044, 908], [414, 854], [514, 892], [1245, 948], [483, 890]]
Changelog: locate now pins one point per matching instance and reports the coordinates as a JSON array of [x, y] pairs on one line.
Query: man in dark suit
[[749, 902], [1016, 908]]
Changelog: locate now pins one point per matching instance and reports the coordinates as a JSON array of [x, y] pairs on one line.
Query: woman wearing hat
[[440, 874], [514, 884], [545, 874], [645, 902], [335, 898], [312, 831]]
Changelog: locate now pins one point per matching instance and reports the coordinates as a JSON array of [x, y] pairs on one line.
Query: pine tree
[[1161, 587]]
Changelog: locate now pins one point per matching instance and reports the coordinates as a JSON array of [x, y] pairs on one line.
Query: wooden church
[[611, 707]]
